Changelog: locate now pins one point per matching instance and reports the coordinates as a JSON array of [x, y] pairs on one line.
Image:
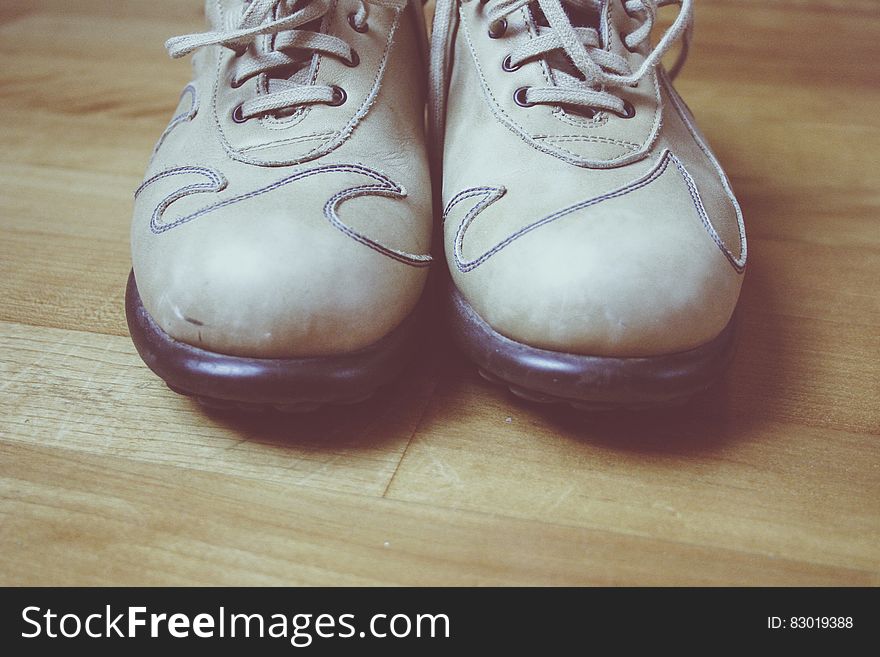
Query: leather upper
[[300, 235], [599, 235]]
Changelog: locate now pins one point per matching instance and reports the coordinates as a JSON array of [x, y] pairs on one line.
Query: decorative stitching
[[739, 263], [188, 115], [595, 138], [341, 136], [704, 216], [470, 193], [558, 143], [332, 205], [574, 153], [492, 194], [292, 140], [559, 152], [216, 182]]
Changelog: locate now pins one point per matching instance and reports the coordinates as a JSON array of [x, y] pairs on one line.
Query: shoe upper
[[582, 209], [286, 210]]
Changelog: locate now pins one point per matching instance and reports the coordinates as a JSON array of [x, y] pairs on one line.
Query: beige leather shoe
[[281, 237], [595, 245]]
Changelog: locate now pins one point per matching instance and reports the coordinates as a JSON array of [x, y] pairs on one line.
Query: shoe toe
[[273, 285], [624, 278]]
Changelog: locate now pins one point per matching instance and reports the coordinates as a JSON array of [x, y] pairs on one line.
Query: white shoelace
[[601, 71], [283, 19]]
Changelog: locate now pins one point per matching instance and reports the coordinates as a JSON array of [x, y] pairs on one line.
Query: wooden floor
[[106, 477]]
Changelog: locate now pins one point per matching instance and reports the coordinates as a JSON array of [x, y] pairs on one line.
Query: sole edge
[[221, 381], [590, 383]]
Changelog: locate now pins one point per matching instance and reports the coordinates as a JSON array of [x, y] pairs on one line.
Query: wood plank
[[53, 279], [759, 42], [772, 478], [72, 518], [91, 393], [713, 475], [156, 10], [783, 458]]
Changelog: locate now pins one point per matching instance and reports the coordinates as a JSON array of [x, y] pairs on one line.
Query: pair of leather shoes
[[281, 239]]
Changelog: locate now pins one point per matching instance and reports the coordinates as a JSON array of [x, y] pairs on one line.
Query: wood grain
[[106, 477]]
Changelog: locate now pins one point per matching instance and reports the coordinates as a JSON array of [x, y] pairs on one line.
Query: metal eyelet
[[628, 110], [519, 97], [237, 115], [497, 28], [508, 67], [362, 29], [355, 59], [339, 97]]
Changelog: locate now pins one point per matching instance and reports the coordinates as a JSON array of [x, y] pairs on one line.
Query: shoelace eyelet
[[497, 28], [237, 115], [235, 84], [519, 97], [355, 59], [628, 110], [339, 97], [507, 67], [362, 29]]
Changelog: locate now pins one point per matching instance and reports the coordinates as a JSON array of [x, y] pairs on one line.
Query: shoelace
[[601, 71], [283, 19]]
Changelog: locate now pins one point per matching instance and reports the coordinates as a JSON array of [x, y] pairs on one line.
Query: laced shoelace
[[600, 72], [284, 20]]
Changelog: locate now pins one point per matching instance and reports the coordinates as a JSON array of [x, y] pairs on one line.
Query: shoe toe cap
[[272, 286], [620, 279]]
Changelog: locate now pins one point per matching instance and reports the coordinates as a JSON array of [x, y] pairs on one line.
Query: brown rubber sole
[[591, 383], [256, 384]]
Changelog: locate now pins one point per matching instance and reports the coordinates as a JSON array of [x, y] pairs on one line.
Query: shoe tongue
[[558, 60], [297, 72]]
